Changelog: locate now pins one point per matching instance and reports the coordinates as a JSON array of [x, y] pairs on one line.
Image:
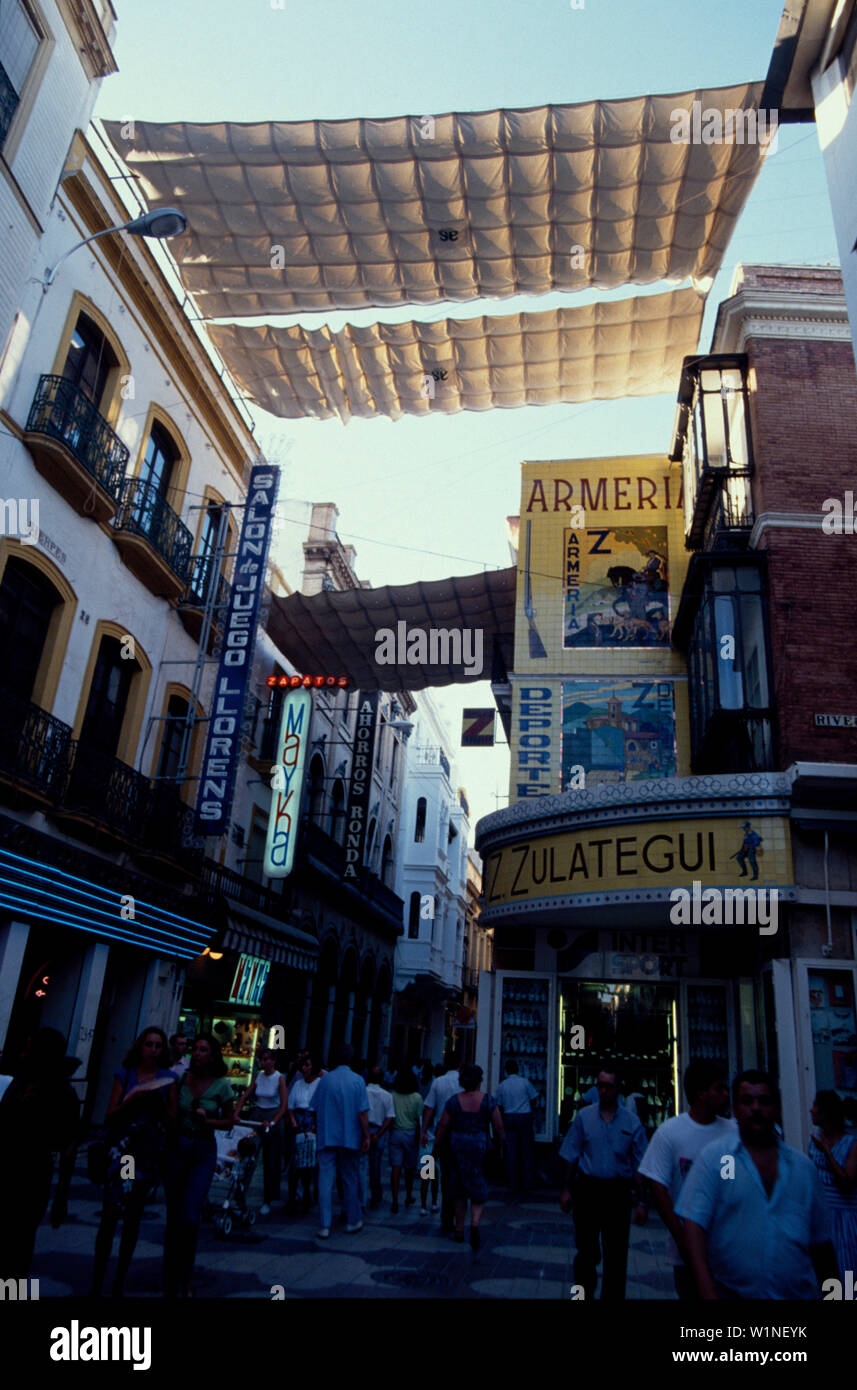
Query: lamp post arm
[[51, 271]]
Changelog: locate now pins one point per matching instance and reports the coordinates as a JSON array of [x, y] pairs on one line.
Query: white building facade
[[432, 881]]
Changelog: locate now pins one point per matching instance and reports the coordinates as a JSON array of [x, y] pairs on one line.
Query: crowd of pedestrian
[[749, 1216]]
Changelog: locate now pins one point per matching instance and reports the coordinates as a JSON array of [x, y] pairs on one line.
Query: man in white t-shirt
[[672, 1150], [442, 1089], [381, 1117]]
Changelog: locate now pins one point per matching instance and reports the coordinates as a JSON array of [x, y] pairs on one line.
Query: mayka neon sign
[[288, 779]]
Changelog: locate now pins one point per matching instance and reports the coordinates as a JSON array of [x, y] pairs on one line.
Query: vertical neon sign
[[287, 782]]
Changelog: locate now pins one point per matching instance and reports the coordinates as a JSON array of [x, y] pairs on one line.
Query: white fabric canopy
[[628, 347], [317, 215]]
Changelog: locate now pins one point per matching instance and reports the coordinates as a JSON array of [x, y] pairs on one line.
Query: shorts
[[403, 1148]]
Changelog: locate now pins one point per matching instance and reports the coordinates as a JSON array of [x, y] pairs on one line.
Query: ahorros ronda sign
[[223, 743], [361, 782], [287, 782]]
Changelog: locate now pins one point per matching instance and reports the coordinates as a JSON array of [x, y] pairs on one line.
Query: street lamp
[[158, 224]]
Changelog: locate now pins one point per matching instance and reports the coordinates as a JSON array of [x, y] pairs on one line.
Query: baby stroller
[[237, 1154]]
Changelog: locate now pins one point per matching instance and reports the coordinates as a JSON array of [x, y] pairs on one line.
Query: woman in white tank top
[[269, 1098]]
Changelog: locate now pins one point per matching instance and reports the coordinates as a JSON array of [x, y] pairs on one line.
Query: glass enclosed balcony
[[712, 440]]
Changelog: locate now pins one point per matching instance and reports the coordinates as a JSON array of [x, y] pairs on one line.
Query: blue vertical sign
[[223, 744]]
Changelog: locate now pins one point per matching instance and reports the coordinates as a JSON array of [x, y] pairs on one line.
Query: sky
[[426, 497]]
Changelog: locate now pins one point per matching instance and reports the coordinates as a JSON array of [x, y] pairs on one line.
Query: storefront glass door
[[629, 1026]]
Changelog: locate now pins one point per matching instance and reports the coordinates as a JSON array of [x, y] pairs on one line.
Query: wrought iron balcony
[[107, 790], [196, 594], [9, 100], [168, 828], [201, 573], [73, 445], [218, 881], [433, 757], [34, 746], [730, 519], [155, 543]]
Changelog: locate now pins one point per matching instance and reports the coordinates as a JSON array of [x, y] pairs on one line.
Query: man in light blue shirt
[[514, 1097], [605, 1143], [341, 1105], [755, 1220]]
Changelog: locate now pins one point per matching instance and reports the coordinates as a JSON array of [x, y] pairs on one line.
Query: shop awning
[[338, 631], [627, 347], [247, 931], [290, 216]]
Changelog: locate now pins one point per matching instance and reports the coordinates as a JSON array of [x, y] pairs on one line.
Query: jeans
[[344, 1163], [371, 1182], [602, 1207], [519, 1150], [188, 1172]]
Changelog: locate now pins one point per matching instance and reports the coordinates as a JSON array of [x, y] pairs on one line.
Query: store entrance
[[630, 1026]]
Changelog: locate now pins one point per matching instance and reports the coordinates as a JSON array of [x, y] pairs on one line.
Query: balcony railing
[[199, 584], [219, 881], [144, 512], [108, 790], [34, 747], [433, 757], [61, 411], [169, 824], [8, 103], [731, 515]]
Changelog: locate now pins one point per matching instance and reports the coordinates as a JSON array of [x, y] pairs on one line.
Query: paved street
[[527, 1250]]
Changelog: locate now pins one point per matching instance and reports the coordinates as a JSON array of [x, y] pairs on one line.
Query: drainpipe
[[828, 950]]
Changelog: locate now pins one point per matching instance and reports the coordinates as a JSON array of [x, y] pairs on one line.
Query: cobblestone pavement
[[527, 1252]]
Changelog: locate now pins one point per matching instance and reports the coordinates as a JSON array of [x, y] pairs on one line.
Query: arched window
[[27, 602], [174, 726], [89, 360], [159, 460], [370, 840], [108, 697], [336, 820], [414, 917], [387, 863], [315, 788], [420, 827]]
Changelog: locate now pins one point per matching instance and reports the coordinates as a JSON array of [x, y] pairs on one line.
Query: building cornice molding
[[737, 794], [754, 313], [92, 43]]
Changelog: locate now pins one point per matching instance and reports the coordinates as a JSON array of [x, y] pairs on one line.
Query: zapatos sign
[[223, 743]]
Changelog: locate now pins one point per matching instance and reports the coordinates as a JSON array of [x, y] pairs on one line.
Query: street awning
[[290, 216], [247, 931], [339, 631], [627, 347]]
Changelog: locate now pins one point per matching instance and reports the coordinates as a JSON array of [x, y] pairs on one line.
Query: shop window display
[[834, 1035], [525, 1037]]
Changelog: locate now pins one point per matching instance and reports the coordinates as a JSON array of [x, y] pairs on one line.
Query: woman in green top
[[408, 1107], [205, 1103]]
